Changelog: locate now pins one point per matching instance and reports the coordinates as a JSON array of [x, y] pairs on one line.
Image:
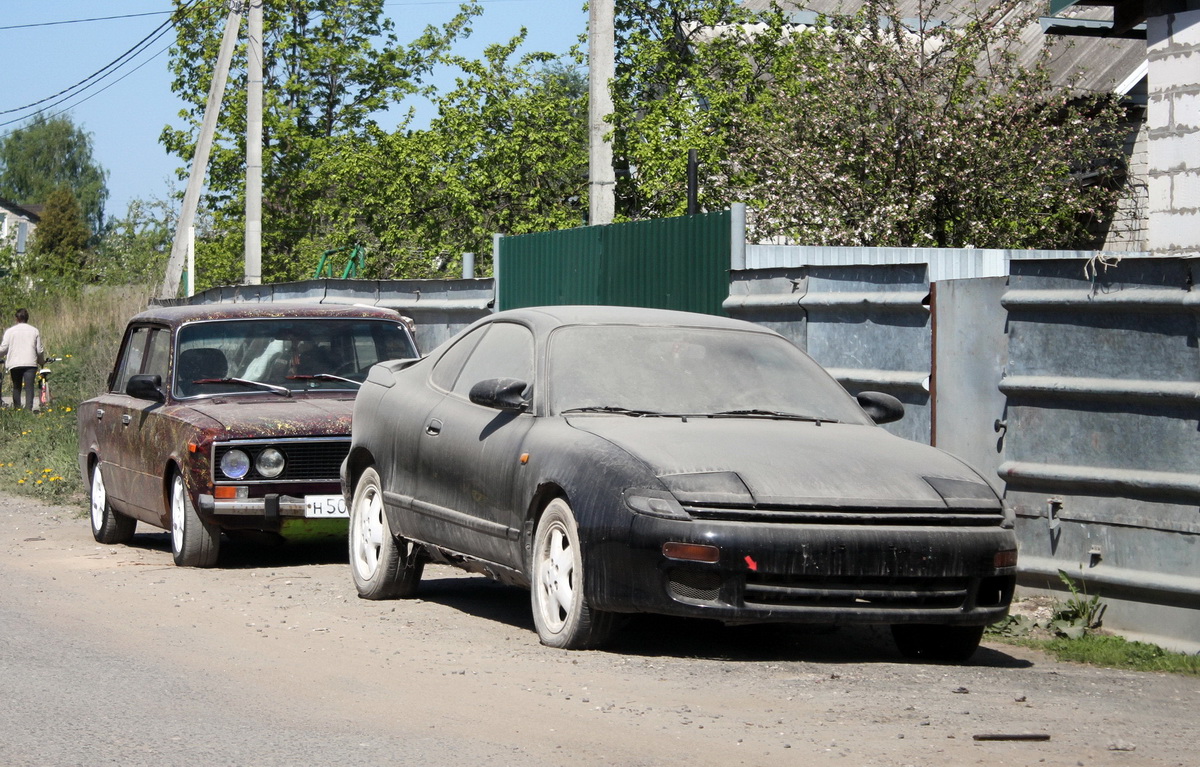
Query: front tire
[[108, 525], [194, 542], [561, 612], [383, 565], [936, 643]]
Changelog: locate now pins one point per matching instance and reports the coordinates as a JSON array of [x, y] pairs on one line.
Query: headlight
[[655, 503], [269, 463], [235, 464]]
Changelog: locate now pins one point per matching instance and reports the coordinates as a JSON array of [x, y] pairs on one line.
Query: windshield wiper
[[282, 391], [783, 416], [324, 377], [612, 409]]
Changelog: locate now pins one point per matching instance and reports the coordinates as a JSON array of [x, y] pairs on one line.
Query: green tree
[[869, 129], [507, 154], [60, 240], [135, 247], [330, 68], [47, 153]]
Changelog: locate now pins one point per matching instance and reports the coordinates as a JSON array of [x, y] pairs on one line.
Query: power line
[[82, 21], [107, 70]]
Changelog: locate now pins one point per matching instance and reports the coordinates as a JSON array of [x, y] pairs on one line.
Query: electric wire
[[109, 68]]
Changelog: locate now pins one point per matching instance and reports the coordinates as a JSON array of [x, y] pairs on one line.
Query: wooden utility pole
[[601, 176], [191, 196]]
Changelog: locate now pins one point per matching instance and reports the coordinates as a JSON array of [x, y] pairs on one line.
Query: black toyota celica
[[619, 460]]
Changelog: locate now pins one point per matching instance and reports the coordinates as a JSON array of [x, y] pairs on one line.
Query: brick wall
[[1173, 120]]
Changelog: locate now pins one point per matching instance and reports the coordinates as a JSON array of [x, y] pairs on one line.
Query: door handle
[[99, 414], [433, 428], [126, 419]]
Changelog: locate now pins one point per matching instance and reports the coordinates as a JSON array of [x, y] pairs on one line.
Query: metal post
[[737, 236], [254, 132], [601, 176], [468, 266], [191, 196], [692, 206]]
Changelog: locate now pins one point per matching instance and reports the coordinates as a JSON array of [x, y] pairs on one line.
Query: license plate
[[325, 506]]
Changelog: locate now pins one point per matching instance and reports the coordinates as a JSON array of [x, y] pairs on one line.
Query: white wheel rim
[[556, 578], [368, 533], [99, 498], [177, 514]]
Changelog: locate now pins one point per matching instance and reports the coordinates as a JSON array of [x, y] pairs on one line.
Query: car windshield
[[636, 370], [283, 355]]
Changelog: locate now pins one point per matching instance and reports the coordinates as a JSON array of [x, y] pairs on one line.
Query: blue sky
[[126, 111]]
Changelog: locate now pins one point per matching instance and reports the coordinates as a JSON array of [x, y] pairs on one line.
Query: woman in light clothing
[[23, 354]]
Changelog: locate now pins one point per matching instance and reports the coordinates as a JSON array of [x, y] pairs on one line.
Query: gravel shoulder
[[280, 634]]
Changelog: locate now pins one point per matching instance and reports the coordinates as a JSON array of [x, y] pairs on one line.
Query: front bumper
[[812, 573], [268, 506]]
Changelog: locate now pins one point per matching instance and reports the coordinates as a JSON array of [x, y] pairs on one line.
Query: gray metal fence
[[439, 308]]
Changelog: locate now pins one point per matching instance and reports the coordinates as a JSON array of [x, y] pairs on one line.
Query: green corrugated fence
[[674, 263]]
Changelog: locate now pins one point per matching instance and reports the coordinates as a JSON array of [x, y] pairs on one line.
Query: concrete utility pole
[[601, 176], [191, 196], [254, 130]]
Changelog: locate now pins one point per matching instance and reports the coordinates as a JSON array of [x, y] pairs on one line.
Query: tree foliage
[[330, 67], [48, 153], [507, 154], [60, 240], [135, 246], [868, 129]]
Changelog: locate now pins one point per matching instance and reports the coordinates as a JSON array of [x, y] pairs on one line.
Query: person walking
[[23, 354]]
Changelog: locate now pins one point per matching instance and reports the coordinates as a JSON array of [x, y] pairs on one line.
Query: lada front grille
[[306, 460], [851, 516]]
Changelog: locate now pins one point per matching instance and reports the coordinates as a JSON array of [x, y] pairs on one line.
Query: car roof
[[180, 315], [546, 318]]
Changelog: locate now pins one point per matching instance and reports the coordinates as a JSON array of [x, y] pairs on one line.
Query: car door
[[469, 455], [116, 416]]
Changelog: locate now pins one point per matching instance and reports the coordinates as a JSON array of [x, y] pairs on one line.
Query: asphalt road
[[111, 655]]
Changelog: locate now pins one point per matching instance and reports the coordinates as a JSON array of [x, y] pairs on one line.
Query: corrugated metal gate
[[675, 263], [868, 325], [1102, 454]]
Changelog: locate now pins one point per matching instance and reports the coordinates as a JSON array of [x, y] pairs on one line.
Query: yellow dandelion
[[20, 481], [66, 410], [38, 482], [47, 471]]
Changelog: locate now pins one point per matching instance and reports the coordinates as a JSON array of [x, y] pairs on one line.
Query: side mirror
[[500, 393], [883, 408], [146, 387]]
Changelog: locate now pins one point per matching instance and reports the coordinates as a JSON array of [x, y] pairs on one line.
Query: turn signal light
[[225, 491], [1006, 558], [692, 552]]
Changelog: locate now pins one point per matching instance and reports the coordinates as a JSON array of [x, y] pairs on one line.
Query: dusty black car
[[625, 460], [230, 417]]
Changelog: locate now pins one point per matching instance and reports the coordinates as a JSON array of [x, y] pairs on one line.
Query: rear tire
[[937, 643], [561, 612], [194, 542], [108, 525], [384, 566]]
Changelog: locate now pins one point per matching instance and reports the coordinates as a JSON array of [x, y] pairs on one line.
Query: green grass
[[38, 451], [1112, 652]]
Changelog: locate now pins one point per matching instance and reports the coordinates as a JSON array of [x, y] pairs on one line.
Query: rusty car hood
[[303, 415], [791, 463]]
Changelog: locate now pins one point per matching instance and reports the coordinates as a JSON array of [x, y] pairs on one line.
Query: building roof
[[1084, 64], [30, 212]]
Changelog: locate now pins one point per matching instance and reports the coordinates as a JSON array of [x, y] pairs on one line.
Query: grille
[[874, 517], [306, 460], [858, 593], [696, 586]]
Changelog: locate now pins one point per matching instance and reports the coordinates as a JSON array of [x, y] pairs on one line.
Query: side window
[[446, 370], [132, 355], [505, 352], [158, 353]]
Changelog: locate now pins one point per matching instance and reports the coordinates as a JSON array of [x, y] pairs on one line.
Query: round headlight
[[235, 464], [269, 463]]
